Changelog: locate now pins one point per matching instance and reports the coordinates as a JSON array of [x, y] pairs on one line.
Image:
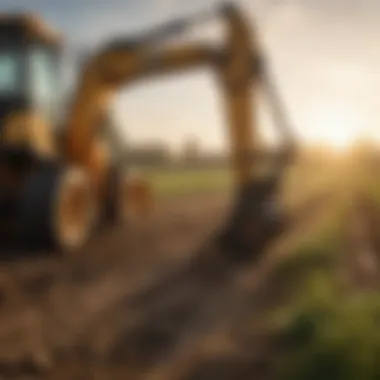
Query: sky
[[323, 54]]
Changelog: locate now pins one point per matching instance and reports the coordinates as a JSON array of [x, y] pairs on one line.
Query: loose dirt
[[153, 300]]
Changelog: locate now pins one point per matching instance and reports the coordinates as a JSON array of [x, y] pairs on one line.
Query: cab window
[[10, 70], [44, 82]]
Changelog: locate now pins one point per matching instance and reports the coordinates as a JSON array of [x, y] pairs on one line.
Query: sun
[[340, 139], [337, 128]]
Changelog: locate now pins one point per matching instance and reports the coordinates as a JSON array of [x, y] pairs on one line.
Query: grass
[[168, 183], [320, 248], [371, 188], [328, 331]]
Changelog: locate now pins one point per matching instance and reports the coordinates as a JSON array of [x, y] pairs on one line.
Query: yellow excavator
[[54, 191]]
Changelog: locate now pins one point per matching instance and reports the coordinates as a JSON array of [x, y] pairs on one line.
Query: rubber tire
[[37, 209], [112, 202]]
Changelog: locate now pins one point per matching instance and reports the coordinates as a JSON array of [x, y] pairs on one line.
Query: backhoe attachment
[[241, 73], [258, 218]]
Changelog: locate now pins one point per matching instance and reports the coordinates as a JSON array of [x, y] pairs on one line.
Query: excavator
[[55, 191]]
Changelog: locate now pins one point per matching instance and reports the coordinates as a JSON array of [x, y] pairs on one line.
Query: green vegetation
[[176, 182], [328, 330], [300, 180], [371, 187], [319, 249], [183, 182], [329, 333]]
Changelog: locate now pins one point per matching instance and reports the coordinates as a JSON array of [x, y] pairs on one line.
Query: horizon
[[320, 52]]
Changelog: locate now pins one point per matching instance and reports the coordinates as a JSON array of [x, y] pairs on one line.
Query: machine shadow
[[13, 250]]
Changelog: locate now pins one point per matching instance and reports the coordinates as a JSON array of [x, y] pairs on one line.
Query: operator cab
[[29, 68]]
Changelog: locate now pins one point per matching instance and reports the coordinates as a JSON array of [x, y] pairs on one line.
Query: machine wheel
[[57, 209], [129, 197], [117, 203]]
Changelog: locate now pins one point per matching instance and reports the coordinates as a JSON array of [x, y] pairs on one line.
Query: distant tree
[[191, 150], [153, 154]]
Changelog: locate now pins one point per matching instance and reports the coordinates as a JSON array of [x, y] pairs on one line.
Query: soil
[[152, 300]]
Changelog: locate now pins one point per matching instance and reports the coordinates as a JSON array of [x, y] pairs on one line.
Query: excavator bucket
[[258, 218]]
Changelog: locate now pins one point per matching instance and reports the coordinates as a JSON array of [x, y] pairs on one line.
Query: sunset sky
[[325, 56]]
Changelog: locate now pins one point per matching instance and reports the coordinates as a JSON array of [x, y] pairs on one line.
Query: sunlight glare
[[338, 128]]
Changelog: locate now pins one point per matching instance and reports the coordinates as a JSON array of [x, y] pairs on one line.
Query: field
[[172, 183], [158, 299]]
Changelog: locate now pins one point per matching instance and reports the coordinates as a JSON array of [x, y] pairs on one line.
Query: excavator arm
[[124, 62], [110, 71]]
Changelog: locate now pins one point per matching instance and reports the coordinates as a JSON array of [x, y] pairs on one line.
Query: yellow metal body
[[30, 131], [239, 70], [33, 27], [115, 67]]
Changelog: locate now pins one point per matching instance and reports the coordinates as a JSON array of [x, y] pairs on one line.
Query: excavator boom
[[124, 63]]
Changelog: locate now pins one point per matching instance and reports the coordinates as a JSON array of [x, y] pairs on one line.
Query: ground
[[152, 300]]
